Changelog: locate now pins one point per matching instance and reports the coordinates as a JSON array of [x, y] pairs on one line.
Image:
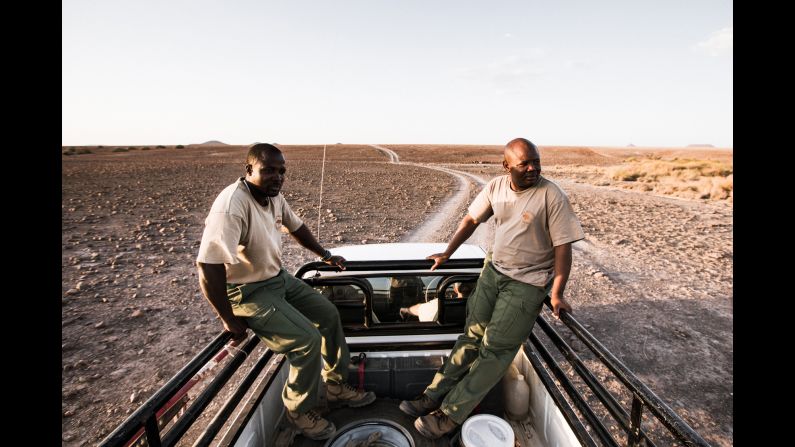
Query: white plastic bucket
[[486, 430]]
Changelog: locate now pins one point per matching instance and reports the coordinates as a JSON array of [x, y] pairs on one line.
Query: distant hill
[[212, 143], [700, 145]]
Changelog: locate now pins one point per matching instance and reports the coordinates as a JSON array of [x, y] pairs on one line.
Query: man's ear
[[248, 169], [505, 165]]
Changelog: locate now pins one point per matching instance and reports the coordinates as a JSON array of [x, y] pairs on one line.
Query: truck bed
[[386, 408]]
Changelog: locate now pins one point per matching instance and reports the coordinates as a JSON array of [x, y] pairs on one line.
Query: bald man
[[535, 227]]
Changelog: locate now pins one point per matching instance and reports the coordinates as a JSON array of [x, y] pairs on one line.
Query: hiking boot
[[312, 425], [435, 425], [346, 395], [419, 406]]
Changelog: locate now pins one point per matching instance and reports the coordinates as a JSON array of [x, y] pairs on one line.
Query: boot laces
[[312, 415], [440, 415], [347, 387]]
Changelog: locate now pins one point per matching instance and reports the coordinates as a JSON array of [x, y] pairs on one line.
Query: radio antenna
[[320, 201]]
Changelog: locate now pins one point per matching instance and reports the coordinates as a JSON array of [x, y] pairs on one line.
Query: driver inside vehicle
[[404, 291], [429, 311]]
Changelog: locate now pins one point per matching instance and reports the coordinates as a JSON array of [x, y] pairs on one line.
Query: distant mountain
[[212, 143], [700, 145]]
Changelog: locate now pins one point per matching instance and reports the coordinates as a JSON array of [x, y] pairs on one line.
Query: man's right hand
[[237, 327], [439, 259]]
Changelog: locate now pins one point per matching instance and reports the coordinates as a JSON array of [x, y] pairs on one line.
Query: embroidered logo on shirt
[[281, 227], [527, 217]]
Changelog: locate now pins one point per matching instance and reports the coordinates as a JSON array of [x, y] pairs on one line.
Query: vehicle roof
[[404, 251]]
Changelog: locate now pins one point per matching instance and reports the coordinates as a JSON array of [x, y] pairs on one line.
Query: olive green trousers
[[501, 313], [291, 318]]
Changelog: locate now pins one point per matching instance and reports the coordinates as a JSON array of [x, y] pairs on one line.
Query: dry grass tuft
[[689, 178]]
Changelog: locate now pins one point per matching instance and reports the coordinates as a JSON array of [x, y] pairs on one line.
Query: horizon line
[[705, 146]]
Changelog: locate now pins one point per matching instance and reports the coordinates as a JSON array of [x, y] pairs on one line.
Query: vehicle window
[[400, 299], [341, 293], [397, 299], [349, 300]]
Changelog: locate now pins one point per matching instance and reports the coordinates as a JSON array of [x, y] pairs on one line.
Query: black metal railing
[[441, 289], [607, 399], [144, 426], [642, 396], [203, 399], [231, 402], [362, 284], [568, 413], [274, 362], [390, 266], [145, 417]]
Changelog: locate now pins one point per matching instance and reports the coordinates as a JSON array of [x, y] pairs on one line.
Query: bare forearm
[[212, 281], [562, 270], [464, 231], [307, 240]]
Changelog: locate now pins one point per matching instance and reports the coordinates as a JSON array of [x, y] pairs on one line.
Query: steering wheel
[[431, 286]]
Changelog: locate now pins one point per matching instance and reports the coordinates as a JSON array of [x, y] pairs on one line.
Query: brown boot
[[346, 395], [419, 406], [435, 425], [312, 425]]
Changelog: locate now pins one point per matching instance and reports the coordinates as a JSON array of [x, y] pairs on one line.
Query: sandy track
[[436, 227], [393, 156]]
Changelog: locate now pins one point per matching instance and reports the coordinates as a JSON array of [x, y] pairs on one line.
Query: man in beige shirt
[[241, 275], [535, 227]]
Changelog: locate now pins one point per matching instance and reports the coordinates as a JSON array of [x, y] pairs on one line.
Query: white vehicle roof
[[404, 251]]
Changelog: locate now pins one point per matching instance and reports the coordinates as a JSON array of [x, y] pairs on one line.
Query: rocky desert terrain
[[652, 280]]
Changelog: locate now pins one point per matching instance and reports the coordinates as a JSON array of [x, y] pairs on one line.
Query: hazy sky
[[603, 73]]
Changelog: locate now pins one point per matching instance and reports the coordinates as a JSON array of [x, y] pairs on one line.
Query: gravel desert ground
[[652, 280]]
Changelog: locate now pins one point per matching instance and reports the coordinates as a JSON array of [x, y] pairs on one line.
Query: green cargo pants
[[290, 317], [501, 313]]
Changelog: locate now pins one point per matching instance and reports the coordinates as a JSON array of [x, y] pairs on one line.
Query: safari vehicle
[[396, 357]]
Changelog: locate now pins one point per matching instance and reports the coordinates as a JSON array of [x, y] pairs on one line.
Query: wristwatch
[[326, 256]]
